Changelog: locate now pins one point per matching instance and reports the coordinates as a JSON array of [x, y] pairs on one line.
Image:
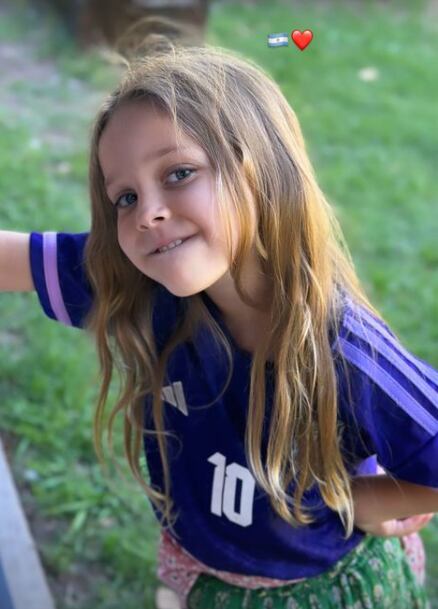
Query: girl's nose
[[150, 211]]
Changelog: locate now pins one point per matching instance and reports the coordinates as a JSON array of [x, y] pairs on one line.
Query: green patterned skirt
[[375, 575]]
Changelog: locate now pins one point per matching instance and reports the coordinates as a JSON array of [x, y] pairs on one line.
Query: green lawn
[[374, 146]]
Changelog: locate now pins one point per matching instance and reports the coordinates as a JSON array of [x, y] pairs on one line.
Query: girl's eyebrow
[[156, 154]]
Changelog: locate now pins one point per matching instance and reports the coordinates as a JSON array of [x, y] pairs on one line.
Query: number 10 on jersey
[[224, 490]]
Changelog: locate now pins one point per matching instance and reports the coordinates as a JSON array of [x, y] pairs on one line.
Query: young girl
[[262, 383]]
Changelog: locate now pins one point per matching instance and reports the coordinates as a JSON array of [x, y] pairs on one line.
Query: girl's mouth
[[158, 253]]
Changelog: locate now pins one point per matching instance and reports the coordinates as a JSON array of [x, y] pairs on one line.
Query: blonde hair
[[239, 116]]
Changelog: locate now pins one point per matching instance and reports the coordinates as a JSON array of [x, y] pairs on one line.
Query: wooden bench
[[92, 22], [22, 581]]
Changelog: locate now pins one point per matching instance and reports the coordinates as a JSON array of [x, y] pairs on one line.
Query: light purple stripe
[[52, 278], [395, 359], [377, 324], [390, 386]]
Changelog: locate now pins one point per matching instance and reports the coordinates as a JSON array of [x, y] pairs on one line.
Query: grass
[[374, 151]]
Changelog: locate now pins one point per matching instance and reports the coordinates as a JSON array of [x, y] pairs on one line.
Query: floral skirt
[[375, 575]]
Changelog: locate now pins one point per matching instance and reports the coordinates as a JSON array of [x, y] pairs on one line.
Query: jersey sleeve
[[56, 261], [394, 395]]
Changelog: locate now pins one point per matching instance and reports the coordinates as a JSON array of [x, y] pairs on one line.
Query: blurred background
[[365, 91]]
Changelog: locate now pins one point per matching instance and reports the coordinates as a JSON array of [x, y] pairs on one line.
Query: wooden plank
[[5, 597], [22, 569], [98, 22]]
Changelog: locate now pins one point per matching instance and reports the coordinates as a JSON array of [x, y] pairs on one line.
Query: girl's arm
[[380, 498], [15, 274]]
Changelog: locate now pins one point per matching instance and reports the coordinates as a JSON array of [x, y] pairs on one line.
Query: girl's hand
[[397, 528]]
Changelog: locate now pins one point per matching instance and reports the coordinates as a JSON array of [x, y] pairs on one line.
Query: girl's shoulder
[[360, 326]]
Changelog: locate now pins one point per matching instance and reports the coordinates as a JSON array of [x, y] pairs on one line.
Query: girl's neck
[[250, 334]]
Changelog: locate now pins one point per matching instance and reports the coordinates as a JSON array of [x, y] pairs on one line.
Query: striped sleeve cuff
[[58, 275]]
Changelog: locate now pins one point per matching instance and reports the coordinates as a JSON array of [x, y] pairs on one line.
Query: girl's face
[[161, 196]]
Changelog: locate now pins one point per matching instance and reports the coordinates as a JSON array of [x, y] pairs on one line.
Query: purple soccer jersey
[[389, 414]]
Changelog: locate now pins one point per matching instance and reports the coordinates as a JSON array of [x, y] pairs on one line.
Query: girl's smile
[[178, 247]]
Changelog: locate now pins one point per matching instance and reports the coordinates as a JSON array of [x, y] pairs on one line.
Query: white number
[[225, 488]]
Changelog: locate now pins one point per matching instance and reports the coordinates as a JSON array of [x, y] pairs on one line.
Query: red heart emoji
[[301, 39]]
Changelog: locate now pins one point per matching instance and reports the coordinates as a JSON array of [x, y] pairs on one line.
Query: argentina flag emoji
[[278, 40]]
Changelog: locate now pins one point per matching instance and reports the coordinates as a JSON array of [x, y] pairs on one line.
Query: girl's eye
[[178, 170], [182, 169], [117, 203]]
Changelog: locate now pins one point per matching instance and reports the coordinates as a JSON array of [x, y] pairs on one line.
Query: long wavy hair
[[239, 116]]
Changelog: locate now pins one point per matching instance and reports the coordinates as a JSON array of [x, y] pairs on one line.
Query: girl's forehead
[[137, 126], [132, 116], [138, 129]]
